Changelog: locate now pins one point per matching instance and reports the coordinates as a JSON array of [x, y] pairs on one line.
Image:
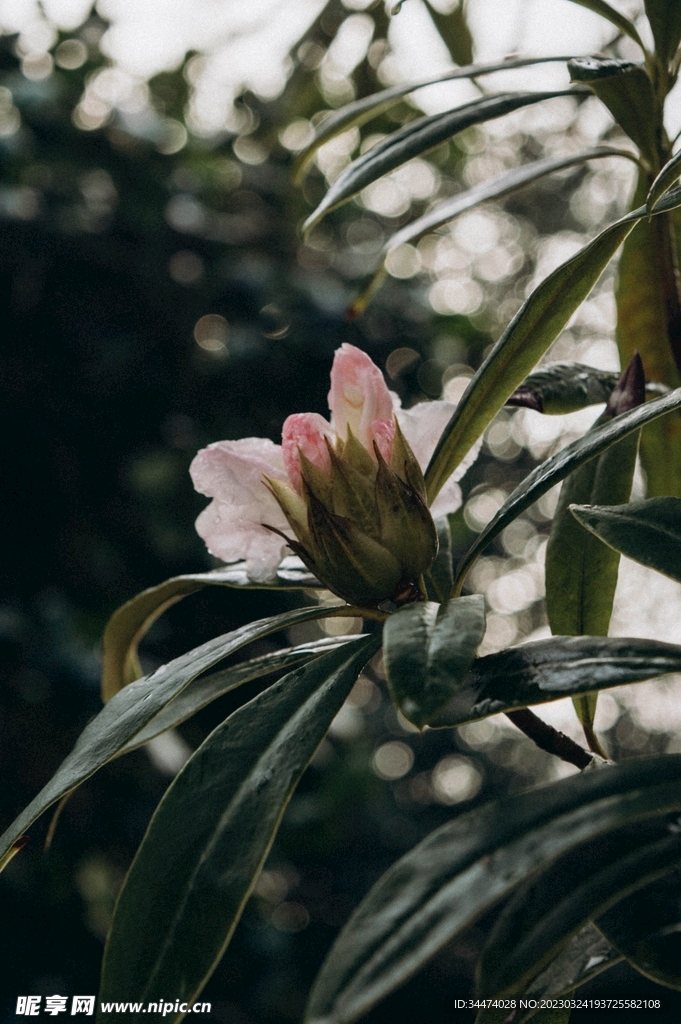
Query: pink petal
[[231, 472], [305, 432], [359, 395], [383, 433]]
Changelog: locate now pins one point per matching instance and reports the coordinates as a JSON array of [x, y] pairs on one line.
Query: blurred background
[[157, 296]]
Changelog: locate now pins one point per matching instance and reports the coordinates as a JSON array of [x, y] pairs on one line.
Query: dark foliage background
[[110, 254]]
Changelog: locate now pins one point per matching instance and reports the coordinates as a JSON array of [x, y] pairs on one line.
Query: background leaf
[[207, 841], [587, 954], [133, 708], [461, 870], [130, 622], [545, 670], [428, 650], [627, 92], [610, 14], [414, 139], [647, 531], [665, 21]]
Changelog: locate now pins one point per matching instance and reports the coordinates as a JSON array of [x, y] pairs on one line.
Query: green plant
[[578, 858]]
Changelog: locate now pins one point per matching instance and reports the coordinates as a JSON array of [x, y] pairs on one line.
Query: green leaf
[[533, 329], [559, 388], [649, 321], [670, 173], [454, 207], [129, 623], [440, 576], [414, 139], [541, 479], [203, 691], [428, 650], [545, 670], [613, 16], [627, 92], [133, 708], [210, 834], [463, 869], [540, 918], [647, 531], [665, 21], [587, 954], [454, 31], [365, 109], [646, 928]]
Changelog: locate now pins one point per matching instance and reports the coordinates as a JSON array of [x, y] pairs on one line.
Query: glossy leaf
[[614, 17], [208, 838], [560, 388], [133, 708], [647, 531], [649, 321], [206, 689], [665, 21], [129, 623], [414, 139], [540, 918], [365, 109], [587, 954], [463, 869], [555, 469], [428, 650], [627, 92], [560, 666], [454, 207], [670, 173], [440, 576], [646, 928]]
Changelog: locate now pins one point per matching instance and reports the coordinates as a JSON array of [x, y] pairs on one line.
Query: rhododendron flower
[[347, 495]]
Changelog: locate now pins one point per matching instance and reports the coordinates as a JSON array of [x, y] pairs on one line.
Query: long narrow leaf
[[130, 622], [647, 531], [670, 173], [614, 17], [133, 708], [561, 666], [416, 138], [205, 690], [544, 913], [555, 469], [533, 329], [587, 954], [454, 207], [460, 871], [559, 388], [208, 839], [365, 109], [665, 21]]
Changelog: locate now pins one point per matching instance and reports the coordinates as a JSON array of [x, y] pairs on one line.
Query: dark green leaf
[[133, 708], [587, 954], [532, 330], [365, 109], [454, 207], [670, 173], [455, 33], [613, 16], [414, 139], [428, 650], [203, 691], [208, 838], [555, 469], [129, 623], [665, 20], [647, 531], [540, 918], [545, 670], [460, 871], [646, 928], [440, 576], [627, 92], [560, 388]]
